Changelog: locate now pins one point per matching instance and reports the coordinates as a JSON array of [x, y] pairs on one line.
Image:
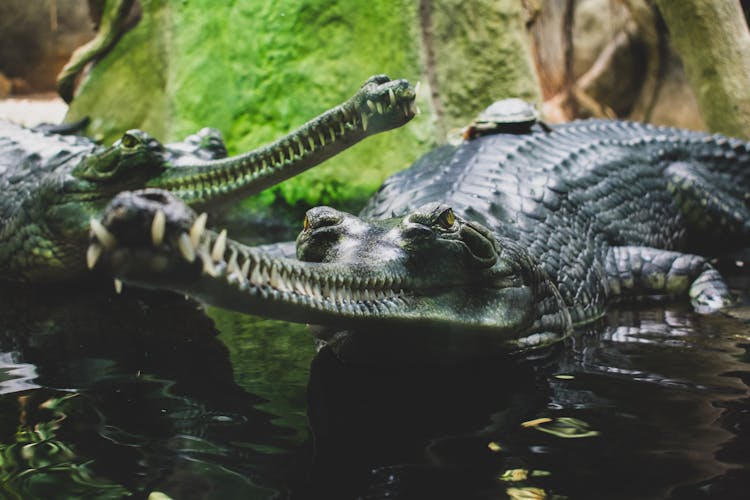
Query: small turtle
[[507, 116]]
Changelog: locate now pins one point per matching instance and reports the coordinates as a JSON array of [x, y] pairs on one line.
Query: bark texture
[[713, 41]]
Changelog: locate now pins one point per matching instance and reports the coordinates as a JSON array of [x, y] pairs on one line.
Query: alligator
[[515, 237], [54, 184]]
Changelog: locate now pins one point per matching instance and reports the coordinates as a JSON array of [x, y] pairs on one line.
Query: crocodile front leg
[[639, 271]]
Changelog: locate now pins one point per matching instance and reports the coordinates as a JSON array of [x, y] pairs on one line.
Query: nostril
[[155, 195], [321, 217]]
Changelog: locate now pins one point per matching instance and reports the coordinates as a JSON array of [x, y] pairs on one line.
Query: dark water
[[104, 397]]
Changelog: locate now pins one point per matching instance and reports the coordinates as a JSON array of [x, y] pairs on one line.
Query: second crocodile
[[53, 185]]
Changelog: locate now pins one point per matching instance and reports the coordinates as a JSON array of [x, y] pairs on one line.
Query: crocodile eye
[[305, 224], [447, 219], [129, 141]]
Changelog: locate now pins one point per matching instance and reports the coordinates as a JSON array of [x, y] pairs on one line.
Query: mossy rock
[[256, 70]]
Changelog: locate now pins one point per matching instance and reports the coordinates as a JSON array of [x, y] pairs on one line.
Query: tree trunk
[[713, 40]]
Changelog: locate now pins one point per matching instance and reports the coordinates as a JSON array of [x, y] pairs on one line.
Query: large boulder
[[256, 69]]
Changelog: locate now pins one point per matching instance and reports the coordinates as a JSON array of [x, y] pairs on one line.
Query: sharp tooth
[[265, 278], [379, 107], [292, 154], [255, 276], [186, 247], [275, 279], [245, 267], [299, 287], [364, 122], [220, 245], [413, 108], [341, 128], [209, 269], [232, 265], [92, 254], [416, 87], [371, 105], [300, 146], [196, 231], [102, 234], [118, 286], [391, 97], [312, 143], [321, 138], [308, 288], [332, 133], [157, 228]]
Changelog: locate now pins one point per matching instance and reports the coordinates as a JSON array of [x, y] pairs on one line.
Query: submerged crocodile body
[[53, 185], [519, 236]]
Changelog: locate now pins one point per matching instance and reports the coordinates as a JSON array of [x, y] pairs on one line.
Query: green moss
[[256, 70], [480, 56]]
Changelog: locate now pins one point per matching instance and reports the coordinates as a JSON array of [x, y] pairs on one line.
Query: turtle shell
[[507, 116]]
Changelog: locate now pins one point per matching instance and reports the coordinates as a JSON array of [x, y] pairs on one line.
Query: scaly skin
[[53, 185], [562, 222]]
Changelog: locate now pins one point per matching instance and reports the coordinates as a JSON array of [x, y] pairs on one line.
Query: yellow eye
[[129, 141], [447, 219], [306, 224]]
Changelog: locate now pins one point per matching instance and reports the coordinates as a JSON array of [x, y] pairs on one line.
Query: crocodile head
[[43, 237], [430, 269]]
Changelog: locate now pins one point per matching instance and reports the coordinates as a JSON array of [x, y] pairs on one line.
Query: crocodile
[[515, 237], [54, 184]]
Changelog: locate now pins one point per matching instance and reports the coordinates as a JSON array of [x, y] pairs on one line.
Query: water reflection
[[106, 396], [156, 408], [651, 403]]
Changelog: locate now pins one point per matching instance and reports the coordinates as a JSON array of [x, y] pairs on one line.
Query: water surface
[[105, 396]]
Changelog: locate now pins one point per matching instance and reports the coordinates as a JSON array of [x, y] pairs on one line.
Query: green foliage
[[256, 70]]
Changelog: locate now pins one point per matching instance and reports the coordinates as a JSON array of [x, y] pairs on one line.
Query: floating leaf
[[527, 493], [536, 422], [566, 427], [514, 475]]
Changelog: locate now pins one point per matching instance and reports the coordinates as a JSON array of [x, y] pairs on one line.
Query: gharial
[[520, 236], [53, 185]]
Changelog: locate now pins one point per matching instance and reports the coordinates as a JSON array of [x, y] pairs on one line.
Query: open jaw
[[381, 104], [151, 239]]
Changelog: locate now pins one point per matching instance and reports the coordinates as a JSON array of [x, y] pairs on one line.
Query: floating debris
[[563, 427], [493, 446]]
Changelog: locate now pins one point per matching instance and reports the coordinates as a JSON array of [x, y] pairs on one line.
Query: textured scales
[[518, 236], [53, 185], [596, 203]]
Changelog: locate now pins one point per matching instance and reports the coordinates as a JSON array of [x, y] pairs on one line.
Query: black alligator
[[54, 184], [521, 236]]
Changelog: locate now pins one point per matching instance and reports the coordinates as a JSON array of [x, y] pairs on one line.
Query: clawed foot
[[709, 293]]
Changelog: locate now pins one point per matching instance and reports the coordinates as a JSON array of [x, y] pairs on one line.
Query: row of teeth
[[254, 272], [293, 151]]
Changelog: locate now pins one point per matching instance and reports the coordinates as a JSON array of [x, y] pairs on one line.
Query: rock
[[256, 70]]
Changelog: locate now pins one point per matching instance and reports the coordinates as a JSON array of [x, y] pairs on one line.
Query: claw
[[118, 286]]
